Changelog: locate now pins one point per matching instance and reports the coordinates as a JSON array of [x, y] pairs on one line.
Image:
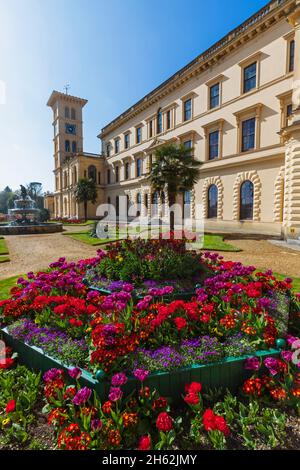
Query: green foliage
[[85, 192], [44, 215], [256, 426], [21, 385]]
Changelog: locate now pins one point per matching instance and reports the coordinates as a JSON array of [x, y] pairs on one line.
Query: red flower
[[144, 443], [8, 362], [222, 425], [208, 419], [180, 323], [11, 406], [164, 422], [159, 403], [192, 399], [193, 387], [212, 422]]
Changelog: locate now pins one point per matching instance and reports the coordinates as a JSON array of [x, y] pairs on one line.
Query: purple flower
[[52, 374], [252, 363], [75, 373], [115, 394], [82, 396], [96, 424], [286, 355], [141, 374], [272, 364], [118, 379]]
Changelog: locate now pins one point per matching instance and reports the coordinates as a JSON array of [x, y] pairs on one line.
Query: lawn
[[85, 237], [3, 247], [6, 285], [4, 258], [215, 243]]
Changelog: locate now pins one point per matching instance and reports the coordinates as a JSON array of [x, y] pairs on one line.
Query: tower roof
[[57, 95]]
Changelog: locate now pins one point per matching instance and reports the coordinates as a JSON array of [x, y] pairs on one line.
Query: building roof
[[56, 95], [269, 14]]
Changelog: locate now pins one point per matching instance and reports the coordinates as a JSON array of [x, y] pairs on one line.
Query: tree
[[86, 192], [35, 191], [176, 170], [6, 199]]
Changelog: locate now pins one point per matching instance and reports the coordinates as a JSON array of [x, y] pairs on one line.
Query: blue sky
[[112, 52]]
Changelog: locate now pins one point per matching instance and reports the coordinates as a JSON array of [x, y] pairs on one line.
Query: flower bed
[[238, 318], [149, 264]]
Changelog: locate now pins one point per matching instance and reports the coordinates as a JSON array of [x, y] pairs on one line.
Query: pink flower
[[286, 355], [141, 374], [115, 394], [252, 363], [272, 364], [118, 379], [82, 396], [75, 373]]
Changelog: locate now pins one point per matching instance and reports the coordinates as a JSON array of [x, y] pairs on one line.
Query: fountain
[[24, 218]]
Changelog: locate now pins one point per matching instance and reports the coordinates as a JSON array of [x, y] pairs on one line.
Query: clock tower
[[67, 139]]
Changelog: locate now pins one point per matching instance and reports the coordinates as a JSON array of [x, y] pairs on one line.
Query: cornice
[[256, 24]]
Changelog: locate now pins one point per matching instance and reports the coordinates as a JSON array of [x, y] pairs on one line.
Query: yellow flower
[[88, 329], [5, 422]]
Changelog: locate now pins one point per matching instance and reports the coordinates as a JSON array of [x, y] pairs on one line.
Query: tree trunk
[[172, 215], [85, 210]]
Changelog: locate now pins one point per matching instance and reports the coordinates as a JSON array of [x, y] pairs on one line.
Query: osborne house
[[236, 105]]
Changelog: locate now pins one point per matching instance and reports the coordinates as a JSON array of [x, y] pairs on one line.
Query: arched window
[[75, 174], [155, 203], [67, 146], [187, 204], [67, 112], [246, 200], [117, 206], [212, 202], [92, 173], [73, 113], [159, 122], [74, 146], [138, 203]]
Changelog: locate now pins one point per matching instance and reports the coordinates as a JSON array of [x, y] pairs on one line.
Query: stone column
[[291, 136]]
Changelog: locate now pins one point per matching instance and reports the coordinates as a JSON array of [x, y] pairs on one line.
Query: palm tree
[[176, 169], [86, 192]]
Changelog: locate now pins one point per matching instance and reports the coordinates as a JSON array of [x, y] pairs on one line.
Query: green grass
[[84, 237], [3, 247], [3, 251], [6, 285], [215, 243]]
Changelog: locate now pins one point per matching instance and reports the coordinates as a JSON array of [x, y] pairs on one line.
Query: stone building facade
[[237, 105]]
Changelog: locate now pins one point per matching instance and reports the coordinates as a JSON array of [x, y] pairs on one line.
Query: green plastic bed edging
[[228, 373]]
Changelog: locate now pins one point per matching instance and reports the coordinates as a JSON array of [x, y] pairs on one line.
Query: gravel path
[[265, 255], [35, 252]]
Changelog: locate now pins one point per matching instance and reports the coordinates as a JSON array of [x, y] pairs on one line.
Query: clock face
[[70, 129]]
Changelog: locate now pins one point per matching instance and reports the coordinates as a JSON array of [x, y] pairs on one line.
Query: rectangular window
[[138, 135], [250, 77], [117, 174], [168, 119], [108, 150], [150, 128], [292, 56], [213, 145], [215, 96], [127, 171], [187, 110], [108, 176], [138, 167], [126, 141], [248, 134], [117, 145], [289, 112]]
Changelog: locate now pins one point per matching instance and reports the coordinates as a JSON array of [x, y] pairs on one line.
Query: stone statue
[[23, 192]]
